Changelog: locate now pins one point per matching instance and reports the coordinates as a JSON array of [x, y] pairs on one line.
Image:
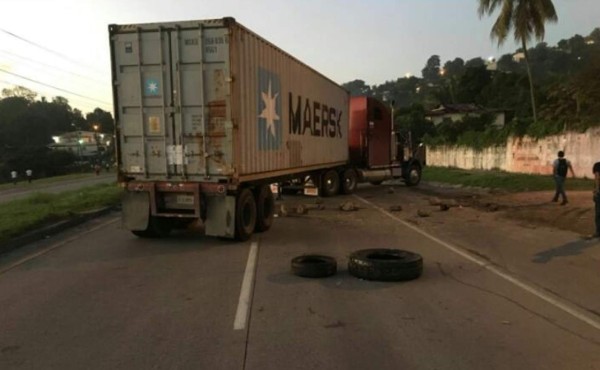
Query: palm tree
[[527, 18]]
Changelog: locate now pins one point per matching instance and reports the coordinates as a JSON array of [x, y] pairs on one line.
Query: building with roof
[[457, 112], [84, 144]]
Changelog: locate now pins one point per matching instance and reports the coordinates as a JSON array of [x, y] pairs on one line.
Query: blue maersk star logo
[[152, 87], [269, 106]]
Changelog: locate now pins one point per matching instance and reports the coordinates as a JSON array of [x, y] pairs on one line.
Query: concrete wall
[[525, 155]]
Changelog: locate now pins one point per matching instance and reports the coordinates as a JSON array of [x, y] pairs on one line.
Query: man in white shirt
[[13, 176]]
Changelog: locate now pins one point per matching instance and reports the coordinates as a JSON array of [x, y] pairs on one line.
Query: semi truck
[[208, 114]]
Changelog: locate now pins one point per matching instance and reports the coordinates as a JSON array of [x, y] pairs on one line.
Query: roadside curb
[[43, 232]]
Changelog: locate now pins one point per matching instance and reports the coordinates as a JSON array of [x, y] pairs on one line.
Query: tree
[[475, 63], [101, 118], [357, 88], [431, 72], [19, 92], [527, 18], [595, 35], [454, 68], [507, 64]]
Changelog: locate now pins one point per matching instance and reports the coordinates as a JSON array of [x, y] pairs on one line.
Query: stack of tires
[[377, 264]]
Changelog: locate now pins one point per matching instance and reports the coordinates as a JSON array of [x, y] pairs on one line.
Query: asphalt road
[[23, 189], [97, 297]]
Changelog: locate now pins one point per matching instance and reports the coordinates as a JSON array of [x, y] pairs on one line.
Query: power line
[[47, 49], [50, 66], [53, 87]]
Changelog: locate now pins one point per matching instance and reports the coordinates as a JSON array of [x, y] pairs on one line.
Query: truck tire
[[314, 266], [385, 264], [349, 181], [158, 227], [245, 215], [330, 183], [265, 208], [413, 176]]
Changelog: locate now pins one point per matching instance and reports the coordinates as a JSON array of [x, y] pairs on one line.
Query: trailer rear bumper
[[208, 202]]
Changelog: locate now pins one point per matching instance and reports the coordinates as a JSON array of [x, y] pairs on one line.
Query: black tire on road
[[314, 266], [330, 183], [158, 227], [349, 181], [265, 208], [413, 177], [245, 215], [385, 264]]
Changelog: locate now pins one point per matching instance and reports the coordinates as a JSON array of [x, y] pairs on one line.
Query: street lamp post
[[97, 139]]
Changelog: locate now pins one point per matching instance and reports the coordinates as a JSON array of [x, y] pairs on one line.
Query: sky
[[66, 51]]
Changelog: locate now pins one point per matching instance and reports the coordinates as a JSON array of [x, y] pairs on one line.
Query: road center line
[[57, 245], [554, 300], [243, 309]]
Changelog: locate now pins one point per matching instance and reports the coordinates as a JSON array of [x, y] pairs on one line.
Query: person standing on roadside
[[560, 167], [13, 176], [596, 170], [29, 174]]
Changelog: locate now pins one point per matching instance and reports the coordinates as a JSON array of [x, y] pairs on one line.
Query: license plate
[[311, 191], [185, 199]]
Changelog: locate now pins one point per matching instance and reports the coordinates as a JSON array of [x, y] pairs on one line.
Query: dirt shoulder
[[532, 207]]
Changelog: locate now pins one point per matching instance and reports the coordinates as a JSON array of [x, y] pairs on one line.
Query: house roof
[[460, 108]]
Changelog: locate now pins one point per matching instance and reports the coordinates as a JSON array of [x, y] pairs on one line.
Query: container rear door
[[172, 89], [144, 91], [202, 114]]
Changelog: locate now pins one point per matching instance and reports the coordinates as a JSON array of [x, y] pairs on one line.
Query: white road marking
[[243, 309], [57, 245], [554, 300]]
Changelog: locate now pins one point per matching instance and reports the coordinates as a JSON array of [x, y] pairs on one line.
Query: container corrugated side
[[289, 117]]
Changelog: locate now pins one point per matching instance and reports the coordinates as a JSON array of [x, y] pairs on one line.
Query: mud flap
[[136, 211], [220, 216]]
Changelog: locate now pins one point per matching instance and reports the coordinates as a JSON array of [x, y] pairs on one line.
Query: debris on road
[[491, 207], [434, 201], [444, 207], [395, 208], [348, 207], [314, 266], [391, 190], [282, 212], [422, 213]]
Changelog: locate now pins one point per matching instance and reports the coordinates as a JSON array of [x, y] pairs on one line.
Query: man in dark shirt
[[560, 167], [596, 170]]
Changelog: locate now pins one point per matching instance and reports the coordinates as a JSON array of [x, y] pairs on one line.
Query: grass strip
[[20, 216], [493, 179], [44, 181]]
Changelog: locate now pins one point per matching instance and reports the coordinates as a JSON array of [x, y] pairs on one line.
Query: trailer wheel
[[413, 177], [157, 228], [385, 264], [330, 183], [314, 266], [265, 208], [245, 215], [349, 181]]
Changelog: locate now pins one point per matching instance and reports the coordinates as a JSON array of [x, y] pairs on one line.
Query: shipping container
[[212, 101], [206, 110]]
